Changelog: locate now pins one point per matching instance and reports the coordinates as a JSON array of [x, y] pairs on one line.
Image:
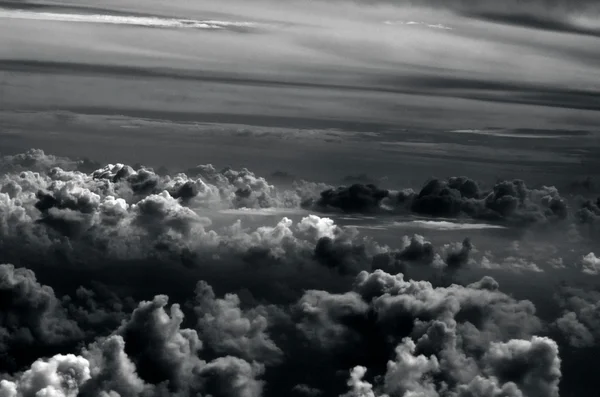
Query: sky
[[308, 198]]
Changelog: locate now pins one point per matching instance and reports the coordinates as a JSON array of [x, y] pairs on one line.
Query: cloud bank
[[183, 305]]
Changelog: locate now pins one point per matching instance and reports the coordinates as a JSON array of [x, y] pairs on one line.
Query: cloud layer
[[186, 303]]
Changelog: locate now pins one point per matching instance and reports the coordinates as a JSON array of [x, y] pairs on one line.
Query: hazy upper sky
[[343, 60]]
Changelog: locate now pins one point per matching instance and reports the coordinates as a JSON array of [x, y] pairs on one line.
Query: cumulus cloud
[[591, 264], [120, 215], [229, 329], [355, 198], [510, 263], [148, 354], [303, 307], [36, 160], [510, 202], [118, 212], [61, 375], [589, 215], [437, 359], [32, 319], [427, 335], [580, 321], [533, 365]]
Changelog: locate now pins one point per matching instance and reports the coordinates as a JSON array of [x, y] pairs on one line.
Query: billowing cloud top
[[318, 309]]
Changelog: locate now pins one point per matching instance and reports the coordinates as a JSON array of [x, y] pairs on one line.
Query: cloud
[[228, 329], [437, 334], [576, 332], [120, 215], [591, 264], [131, 20], [509, 202], [417, 23], [580, 321], [409, 373], [589, 211], [512, 263], [301, 306], [533, 365], [460, 257], [446, 225], [358, 387], [355, 198], [232, 350], [150, 354], [33, 320], [61, 375]]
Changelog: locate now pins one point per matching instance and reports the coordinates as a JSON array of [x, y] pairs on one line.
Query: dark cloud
[[430, 339], [355, 198], [589, 211], [149, 355], [98, 309], [417, 250], [33, 321], [459, 258], [510, 202], [229, 329], [580, 321]]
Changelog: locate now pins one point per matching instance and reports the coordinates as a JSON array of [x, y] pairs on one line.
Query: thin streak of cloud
[[152, 22], [445, 225]]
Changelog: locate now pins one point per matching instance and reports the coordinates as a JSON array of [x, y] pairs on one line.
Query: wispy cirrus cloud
[[128, 20]]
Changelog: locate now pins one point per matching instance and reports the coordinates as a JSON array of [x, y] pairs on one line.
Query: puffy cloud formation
[[432, 341], [580, 321], [508, 201], [61, 375], [589, 213], [32, 319], [149, 355], [512, 263], [62, 184], [411, 375], [355, 198], [296, 307], [442, 338], [591, 264], [231, 330], [37, 161], [117, 215], [120, 213], [446, 364], [533, 365]]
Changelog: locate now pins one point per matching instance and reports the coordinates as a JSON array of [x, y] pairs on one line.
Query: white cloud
[[591, 264]]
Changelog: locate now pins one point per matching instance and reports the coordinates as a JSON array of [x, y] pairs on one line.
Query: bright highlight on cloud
[[591, 264], [152, 22], [445, 225], [416, 23]]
